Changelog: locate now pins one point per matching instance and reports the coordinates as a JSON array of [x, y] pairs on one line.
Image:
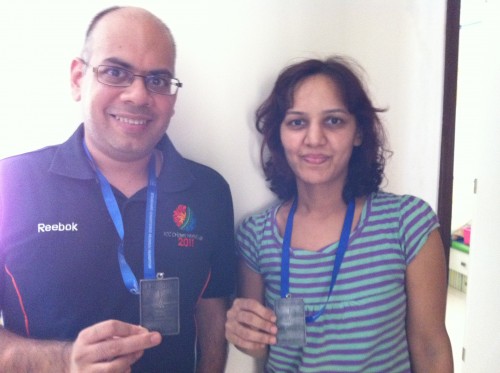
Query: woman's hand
[[250, 326]]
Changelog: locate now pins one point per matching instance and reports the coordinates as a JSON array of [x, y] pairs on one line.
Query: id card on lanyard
[[290, 311], [159, 296]]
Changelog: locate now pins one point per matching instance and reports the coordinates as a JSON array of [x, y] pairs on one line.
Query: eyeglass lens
[[120, 77]]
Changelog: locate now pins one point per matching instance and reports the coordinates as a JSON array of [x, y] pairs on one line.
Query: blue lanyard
[[149, 230], [285, 255]]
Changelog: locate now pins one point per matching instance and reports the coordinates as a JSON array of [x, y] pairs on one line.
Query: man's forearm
[[215, 361], [24, 355], [211, 318]]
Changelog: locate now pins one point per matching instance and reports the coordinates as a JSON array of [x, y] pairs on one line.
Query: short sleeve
[[249, 238], [417, 221], [223, 259]]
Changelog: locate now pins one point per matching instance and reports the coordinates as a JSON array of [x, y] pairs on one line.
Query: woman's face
[[318, 133]]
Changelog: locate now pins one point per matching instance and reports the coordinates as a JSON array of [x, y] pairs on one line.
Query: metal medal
[[159, 304], [291, 321]]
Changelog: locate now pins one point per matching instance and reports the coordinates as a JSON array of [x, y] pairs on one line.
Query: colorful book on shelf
[[460, 246]]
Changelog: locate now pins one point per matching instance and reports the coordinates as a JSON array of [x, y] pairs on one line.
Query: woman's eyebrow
[[328, 111]]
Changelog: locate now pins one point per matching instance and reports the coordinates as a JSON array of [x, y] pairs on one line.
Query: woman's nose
[[315, 134]]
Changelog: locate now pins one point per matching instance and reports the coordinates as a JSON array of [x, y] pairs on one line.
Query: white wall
[[482, 324], [229, 53], [470, 95]]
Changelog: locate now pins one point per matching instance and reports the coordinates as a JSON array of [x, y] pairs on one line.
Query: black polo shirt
[[59, 269]]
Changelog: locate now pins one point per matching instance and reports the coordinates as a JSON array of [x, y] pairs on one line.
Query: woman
[[376, 300]]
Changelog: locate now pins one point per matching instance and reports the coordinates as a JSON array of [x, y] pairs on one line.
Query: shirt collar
[[71, 161]]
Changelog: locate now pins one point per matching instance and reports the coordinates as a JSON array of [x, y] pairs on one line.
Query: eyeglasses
[[114, 76]]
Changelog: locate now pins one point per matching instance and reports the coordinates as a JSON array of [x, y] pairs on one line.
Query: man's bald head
[[133, 15]]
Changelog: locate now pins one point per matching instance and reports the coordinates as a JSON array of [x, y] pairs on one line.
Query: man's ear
[[77, 71]]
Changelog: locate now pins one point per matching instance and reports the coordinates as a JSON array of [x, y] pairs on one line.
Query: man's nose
[[137, 92]]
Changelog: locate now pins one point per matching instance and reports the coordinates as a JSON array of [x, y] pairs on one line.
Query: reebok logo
[[59, 227]]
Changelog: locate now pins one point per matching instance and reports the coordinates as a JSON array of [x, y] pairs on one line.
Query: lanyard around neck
[[285, 255], [149, 228]]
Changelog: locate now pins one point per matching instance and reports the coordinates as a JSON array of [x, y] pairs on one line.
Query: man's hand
[[110, 346]]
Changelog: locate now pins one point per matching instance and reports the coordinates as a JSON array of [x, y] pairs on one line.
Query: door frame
[[445, 192]]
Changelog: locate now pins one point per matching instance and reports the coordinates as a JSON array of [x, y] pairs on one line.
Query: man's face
[[124, 123]]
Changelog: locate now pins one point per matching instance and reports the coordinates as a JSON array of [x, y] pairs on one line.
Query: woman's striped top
[[363, 326]]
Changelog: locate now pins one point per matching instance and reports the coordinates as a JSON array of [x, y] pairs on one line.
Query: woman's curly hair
[[366, 166]]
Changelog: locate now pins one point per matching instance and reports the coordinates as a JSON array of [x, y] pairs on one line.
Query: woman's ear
[[77, 72], [358, 139]]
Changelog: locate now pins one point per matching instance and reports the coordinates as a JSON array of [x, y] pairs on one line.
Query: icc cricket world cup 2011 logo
[[184, 218]]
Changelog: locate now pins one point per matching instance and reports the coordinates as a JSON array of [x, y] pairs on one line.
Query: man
[[113, 212]]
